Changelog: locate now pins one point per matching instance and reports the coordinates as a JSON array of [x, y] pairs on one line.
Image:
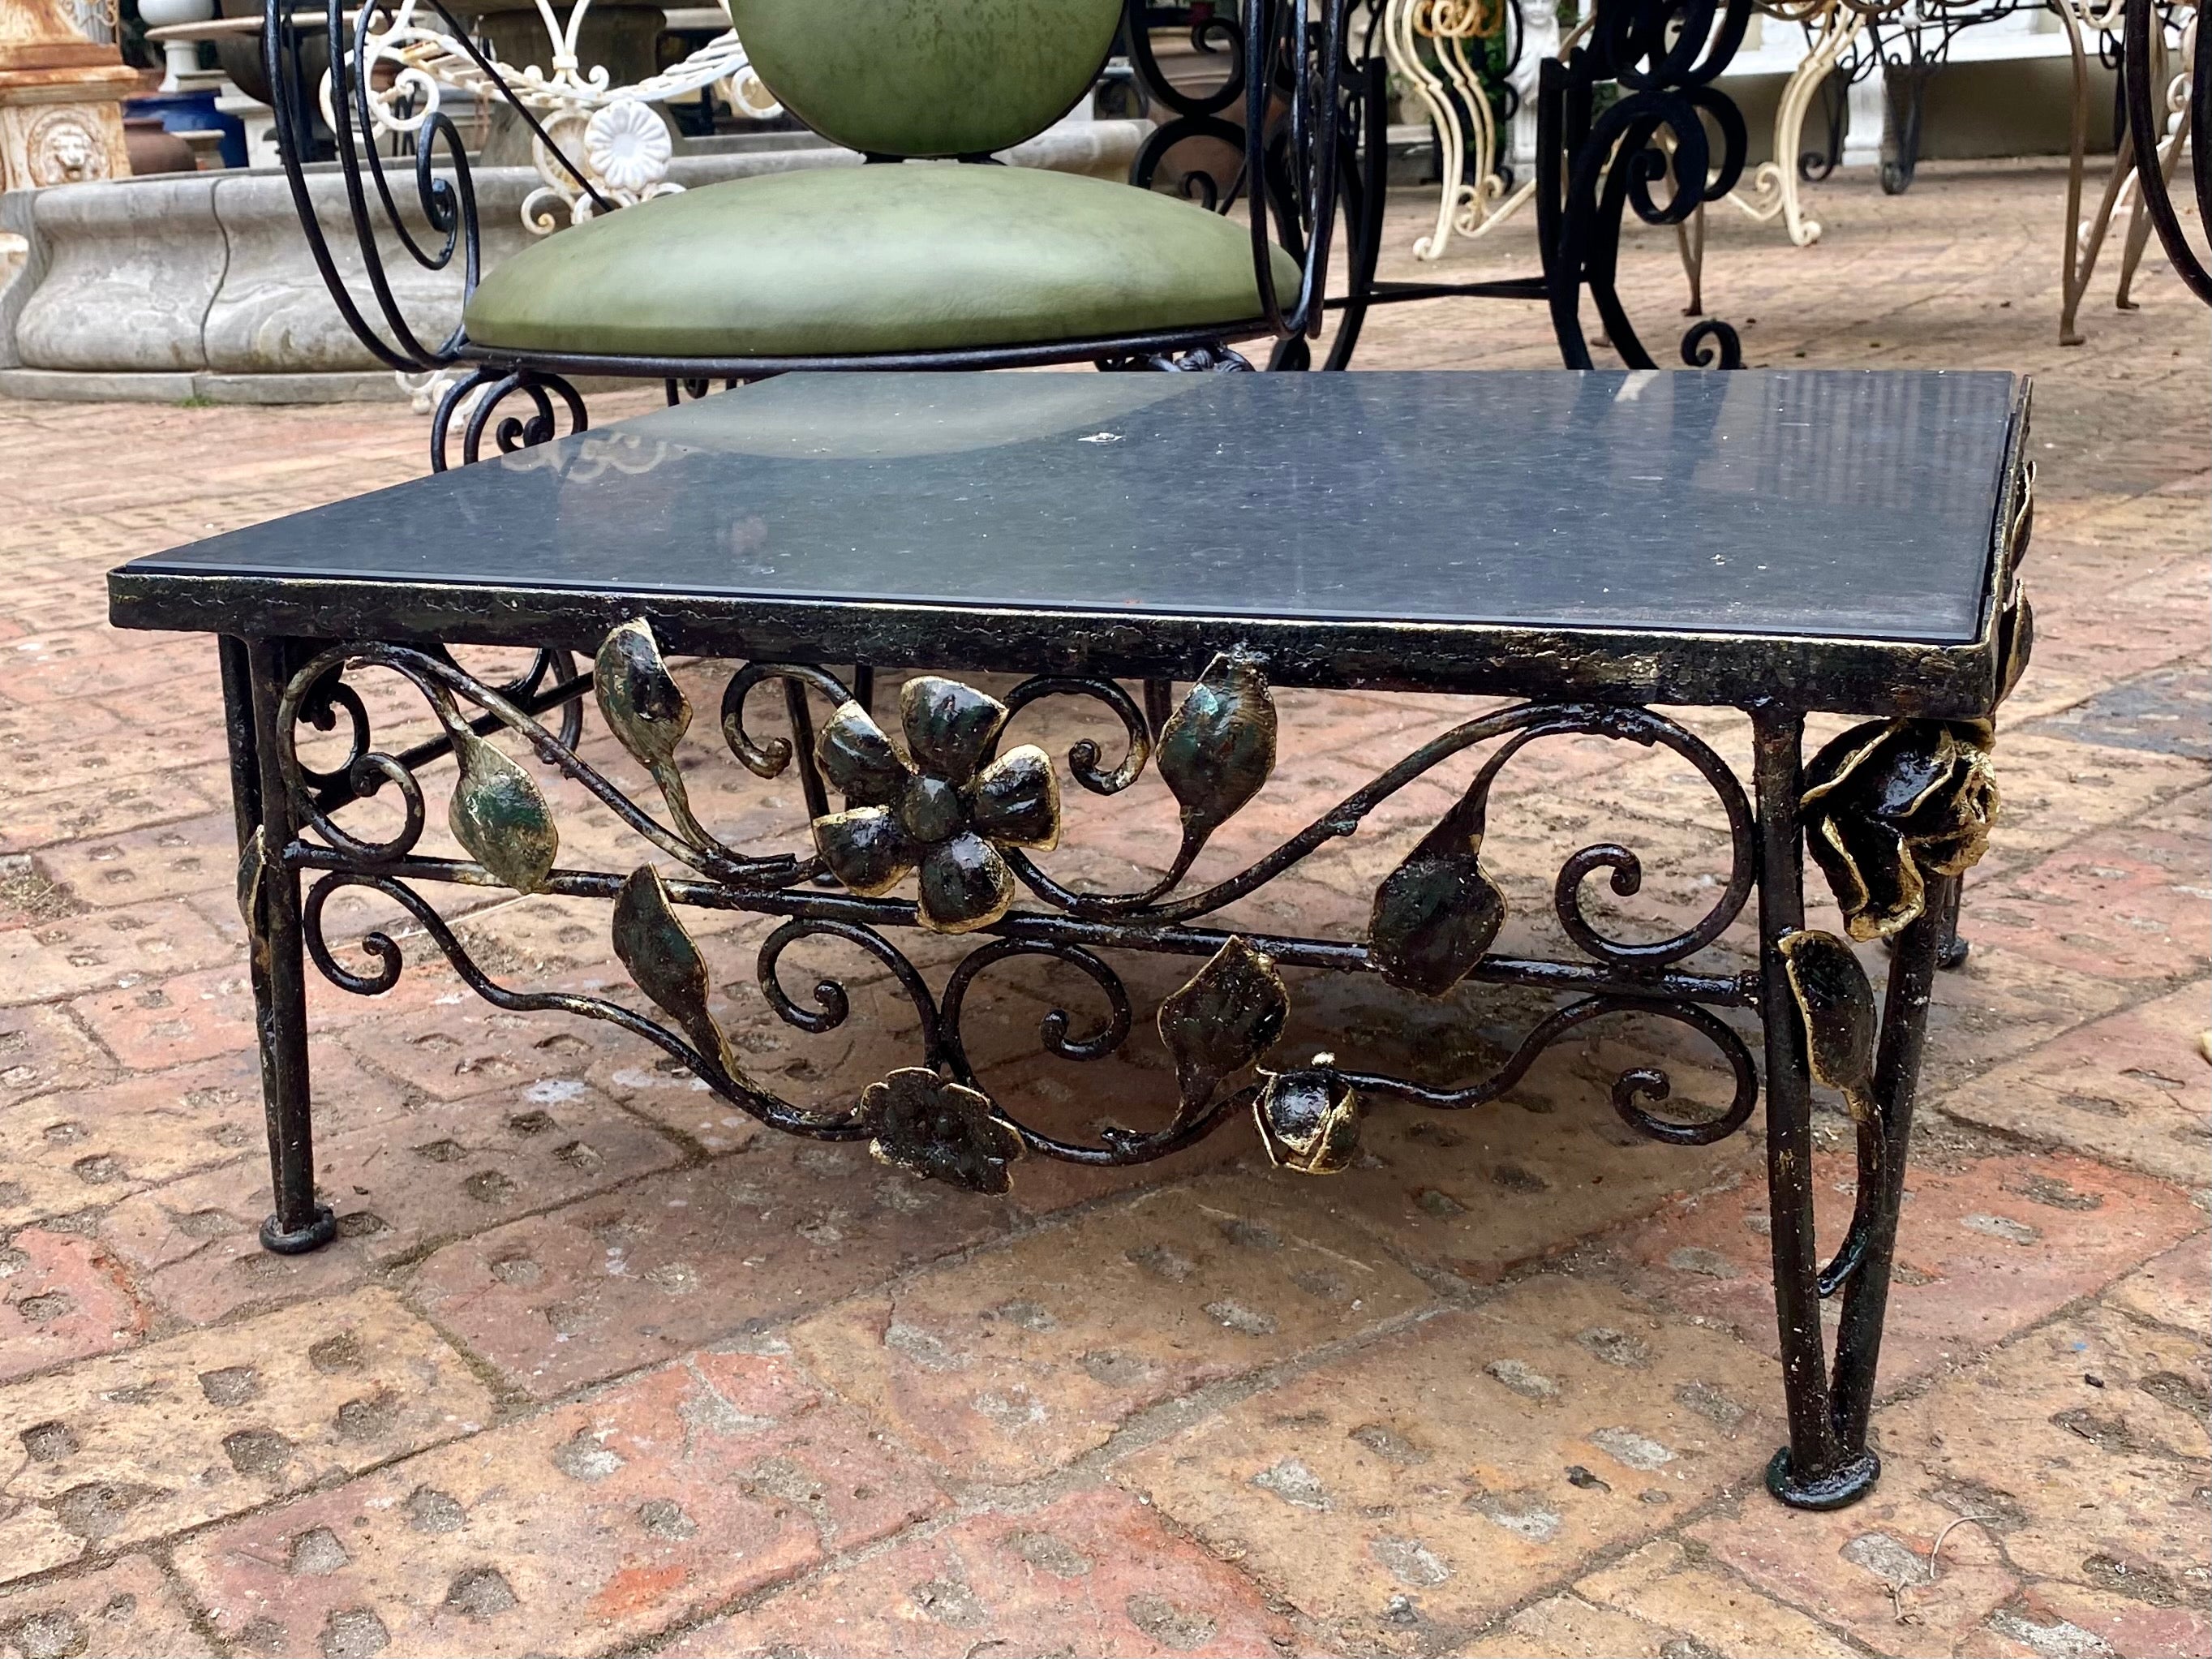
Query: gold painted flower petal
[[866, 849], [964, 884], [940, 1131], [1877, 886], [643, 706], [1963, 837], [949, 727], [1219, 748], [1309, 1121], [1017, 799], [498, 813], [661, 954], [1839, 758], [1224, 1017], [858, 759]]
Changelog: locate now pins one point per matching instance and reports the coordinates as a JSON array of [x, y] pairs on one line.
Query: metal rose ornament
[[1890, 805], [1309, 1119], [946, 812], [939, 1130]]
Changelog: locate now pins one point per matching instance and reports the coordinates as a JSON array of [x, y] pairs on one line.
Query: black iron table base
[[933, 818]]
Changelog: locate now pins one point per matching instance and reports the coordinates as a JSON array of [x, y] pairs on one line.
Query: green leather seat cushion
[[878, 258]]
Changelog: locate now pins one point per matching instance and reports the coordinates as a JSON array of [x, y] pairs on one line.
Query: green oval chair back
[[927, 77]]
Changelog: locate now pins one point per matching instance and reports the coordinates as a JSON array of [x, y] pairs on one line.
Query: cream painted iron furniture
[[1772, 190], [928, 255], [2171, 45], [1427, 43]]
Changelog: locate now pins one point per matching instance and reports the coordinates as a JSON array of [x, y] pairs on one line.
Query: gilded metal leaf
[[1310, 1120], [665, 961], [1226, 1016], [250, 860], [2015, 642], [2022, 528], [500, 815], [940, 1130], [641, 702], [1217, 749], [1437, 913], [1835, 1001]]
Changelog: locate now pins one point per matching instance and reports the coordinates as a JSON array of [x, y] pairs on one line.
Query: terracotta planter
[[154, 148]]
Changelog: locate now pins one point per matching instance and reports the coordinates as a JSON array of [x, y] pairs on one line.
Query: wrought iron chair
[[2187, 105], [893, 265]]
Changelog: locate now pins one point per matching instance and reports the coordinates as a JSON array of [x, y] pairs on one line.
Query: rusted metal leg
[[269, 900], [1817, 1470]]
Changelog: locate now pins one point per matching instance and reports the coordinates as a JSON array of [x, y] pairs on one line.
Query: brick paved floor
[[593, 1366]]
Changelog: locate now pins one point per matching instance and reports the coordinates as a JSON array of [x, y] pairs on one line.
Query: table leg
[[1805, 1471], [252, 678], [1827, 1463]]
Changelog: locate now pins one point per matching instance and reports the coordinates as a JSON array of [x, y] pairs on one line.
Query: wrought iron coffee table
[[1775, 543]]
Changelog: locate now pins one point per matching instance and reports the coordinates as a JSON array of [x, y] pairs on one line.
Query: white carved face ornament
[[73, 152], [64, 149]]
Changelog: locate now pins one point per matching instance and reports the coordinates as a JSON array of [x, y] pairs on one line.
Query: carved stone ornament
[[62, 147]]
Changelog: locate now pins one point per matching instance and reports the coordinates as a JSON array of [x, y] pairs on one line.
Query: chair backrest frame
[[1289, 142], [928, 78]]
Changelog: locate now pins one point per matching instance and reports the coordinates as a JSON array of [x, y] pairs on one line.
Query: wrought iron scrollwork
[[1268, 136], [1648, 150], [548, 397], [953, 808], [339, 103]]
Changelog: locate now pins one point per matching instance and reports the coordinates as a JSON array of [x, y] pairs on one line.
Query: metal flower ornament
[[938, 802], [1891, 805], [946, 812], [939, 1130]]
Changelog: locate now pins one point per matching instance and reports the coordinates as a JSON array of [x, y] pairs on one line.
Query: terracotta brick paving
[[597, 1366]]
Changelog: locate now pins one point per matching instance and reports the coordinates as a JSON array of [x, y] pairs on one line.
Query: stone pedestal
[[61, 122]]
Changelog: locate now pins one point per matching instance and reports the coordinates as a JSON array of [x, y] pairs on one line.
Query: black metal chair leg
[[269, 900]]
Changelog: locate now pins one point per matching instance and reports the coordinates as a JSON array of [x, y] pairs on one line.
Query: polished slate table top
[[1420, 529]]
